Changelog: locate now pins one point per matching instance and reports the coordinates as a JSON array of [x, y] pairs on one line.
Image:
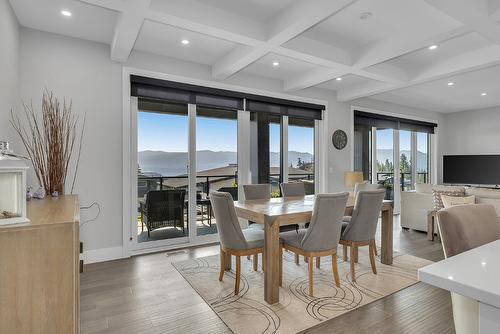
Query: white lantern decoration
[[12, 190]]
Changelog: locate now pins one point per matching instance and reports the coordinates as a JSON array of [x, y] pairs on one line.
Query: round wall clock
[[339, 139]]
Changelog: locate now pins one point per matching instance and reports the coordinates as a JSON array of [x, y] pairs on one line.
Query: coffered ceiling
[[357, 48]]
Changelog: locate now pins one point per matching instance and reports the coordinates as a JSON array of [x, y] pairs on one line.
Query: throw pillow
[[437, 193], [449, 201]]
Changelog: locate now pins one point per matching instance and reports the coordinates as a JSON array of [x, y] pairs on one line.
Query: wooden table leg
[[271, 254], [386, 251]]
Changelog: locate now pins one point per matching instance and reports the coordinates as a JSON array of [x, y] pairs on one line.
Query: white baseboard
[[102, 254]]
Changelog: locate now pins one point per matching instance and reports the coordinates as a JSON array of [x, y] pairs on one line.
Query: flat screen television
[[471, 169]]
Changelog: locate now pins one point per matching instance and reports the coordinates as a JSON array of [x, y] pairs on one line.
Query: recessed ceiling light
[[365, 15], [339, 79], [276, 63], [451, 83], [65, 12], [185, 42], [433, 47], [484, 94]]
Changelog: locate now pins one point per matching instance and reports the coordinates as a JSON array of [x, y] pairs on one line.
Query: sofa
[[417, 203]]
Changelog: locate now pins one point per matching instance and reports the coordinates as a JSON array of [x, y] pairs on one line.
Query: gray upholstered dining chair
[[361, 229], [293, 189], [462, 228], [322, 236], [257, 191], [364, 186], [234, 240], [253, 192]]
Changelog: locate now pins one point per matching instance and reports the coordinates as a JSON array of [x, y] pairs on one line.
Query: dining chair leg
[[263, 262], [344, 255], [372, 256], [255, 262], [281, 266], [222, 264], [238, 275], [356, 253], [310, 265], [335, 270], [318, 262], [353, 273], [375, 248], [296, 258]]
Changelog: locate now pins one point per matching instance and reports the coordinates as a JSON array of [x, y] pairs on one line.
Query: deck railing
[[204, 183], [406, 181]]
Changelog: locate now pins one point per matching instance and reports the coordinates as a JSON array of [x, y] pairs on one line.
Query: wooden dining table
[[276, 212]]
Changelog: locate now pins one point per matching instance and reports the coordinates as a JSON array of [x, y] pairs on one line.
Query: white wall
[[9, 70], [470, 132], [83, 71]]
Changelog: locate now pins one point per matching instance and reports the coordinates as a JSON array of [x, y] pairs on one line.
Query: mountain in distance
[[386, 153], [175, 163]]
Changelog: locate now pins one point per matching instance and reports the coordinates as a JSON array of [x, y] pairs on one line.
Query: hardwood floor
[[145, 294]]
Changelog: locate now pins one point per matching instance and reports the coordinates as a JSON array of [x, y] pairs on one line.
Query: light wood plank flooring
[[145, 294]]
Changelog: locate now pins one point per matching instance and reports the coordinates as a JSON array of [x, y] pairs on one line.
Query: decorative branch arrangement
[[50, 140]]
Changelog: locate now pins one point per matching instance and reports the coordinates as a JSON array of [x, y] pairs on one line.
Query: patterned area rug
[[296, 311]]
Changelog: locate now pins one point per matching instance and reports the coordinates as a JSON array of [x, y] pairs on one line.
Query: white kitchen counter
[[474, 274]]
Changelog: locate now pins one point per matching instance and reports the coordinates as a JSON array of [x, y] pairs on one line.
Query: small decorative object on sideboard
[[12, 190]]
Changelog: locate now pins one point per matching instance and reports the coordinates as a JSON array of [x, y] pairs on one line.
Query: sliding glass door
[[185, 151], [188, 141], [162, 169], [301, 152], [393, 152], [216, 162], [406, 159], [384, 154], [422, 163]]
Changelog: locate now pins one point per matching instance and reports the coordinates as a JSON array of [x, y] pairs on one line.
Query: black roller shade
[[284, 110], [391, 122], [177, 92]]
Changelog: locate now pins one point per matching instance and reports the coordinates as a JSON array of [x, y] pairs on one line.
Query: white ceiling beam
[[236, 60], [460, 63], [208, 20], [291, 23], [333, 70], [116, 5], [312, 78], [402, 44], [304, 45], [127, 29], [302, 16], [364, 90], [473, 60], [387, 72], [473, 14], [218, 32]]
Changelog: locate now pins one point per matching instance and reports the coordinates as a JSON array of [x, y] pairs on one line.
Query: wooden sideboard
[[39, 269]]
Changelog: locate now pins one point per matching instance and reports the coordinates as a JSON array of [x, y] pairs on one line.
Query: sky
[[169, 133], [385, 140]]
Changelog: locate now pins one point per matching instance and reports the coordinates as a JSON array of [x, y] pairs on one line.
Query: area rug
[[296, 310]]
